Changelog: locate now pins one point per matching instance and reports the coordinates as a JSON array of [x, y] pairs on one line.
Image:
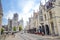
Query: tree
[[20, 28], [14, 28], [2, 30]]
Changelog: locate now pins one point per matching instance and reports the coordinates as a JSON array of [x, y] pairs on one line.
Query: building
[[51, 15], [35, 20], [48, 18], [40, 19], [54, 15], [1, 14], [5, 27], [15, 20], [15, 23], [9, 24], [33, 24], [27, 27], [40, 14], [21, 23]]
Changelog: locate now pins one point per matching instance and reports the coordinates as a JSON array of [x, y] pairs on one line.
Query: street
[[26, 36]]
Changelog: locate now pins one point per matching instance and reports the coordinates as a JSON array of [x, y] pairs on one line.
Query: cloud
[[43, 1], [9, 14], [27, 9], [28, 6]]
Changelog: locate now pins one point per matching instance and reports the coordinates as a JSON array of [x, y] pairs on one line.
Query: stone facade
[[1, 14]]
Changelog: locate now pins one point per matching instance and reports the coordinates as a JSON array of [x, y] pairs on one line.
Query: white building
[[21, 23], [9, 25], [15, 20]]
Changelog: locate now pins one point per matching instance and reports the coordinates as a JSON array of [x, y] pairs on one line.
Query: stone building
[[9, 24], [51, 14], [1, 14]]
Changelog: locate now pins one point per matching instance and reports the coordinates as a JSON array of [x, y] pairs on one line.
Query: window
[[53, 0], [45, 16], [59, 3], [50, 5], [41, 18], [40, 12], [50, 15]]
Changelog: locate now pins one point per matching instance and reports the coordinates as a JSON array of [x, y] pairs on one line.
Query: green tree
[[2, 30], [14, 28], [20, 28]]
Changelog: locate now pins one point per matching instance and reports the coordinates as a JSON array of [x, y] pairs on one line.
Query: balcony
[[49, 6]]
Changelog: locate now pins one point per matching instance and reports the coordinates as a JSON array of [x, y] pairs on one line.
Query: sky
[[24, 8]]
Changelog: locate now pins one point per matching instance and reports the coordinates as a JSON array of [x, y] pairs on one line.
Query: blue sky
[[23, 7]]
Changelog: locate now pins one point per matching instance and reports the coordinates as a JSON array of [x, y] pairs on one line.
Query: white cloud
[[27, 7], [44, 1], [9, 14]]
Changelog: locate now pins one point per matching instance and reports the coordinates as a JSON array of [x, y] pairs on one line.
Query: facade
[[55, 15], [5, 27], [1, 14], [9, 25], [40, 19], [21, 23], [36, 20], [51, 15], [33, 24], [15, 20], [47, 18], [27, 27], [15, 23]]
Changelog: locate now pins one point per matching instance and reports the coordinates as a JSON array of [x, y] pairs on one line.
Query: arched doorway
[[40, 29], [47, 29], [43, 29]]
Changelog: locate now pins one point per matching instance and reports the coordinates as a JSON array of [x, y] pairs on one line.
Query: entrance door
[[43, 29], [47, 29]]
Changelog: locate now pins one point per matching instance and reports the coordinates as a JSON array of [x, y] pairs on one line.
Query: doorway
[[47, 30]]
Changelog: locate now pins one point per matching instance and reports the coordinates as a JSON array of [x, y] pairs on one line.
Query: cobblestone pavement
[[2, 37], [26, 36]]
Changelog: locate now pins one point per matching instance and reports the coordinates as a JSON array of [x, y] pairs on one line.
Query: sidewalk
[[47, 36], [2, 37], [51, 37], [12, 37]]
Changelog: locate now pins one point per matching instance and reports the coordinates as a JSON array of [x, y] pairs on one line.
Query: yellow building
[[56, 11], [51, 14]]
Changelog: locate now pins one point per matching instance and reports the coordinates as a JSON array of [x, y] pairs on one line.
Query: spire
[[1, 8]]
